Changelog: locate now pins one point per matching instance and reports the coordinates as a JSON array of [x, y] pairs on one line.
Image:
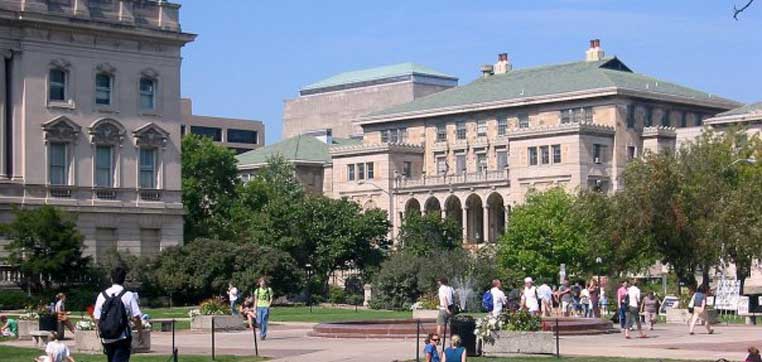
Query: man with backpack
[[264, 298], [494, 300], [114, 308]]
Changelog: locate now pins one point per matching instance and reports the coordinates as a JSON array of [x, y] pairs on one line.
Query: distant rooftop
[[751, 108], [384, 74], [751, 112], [298, 149]]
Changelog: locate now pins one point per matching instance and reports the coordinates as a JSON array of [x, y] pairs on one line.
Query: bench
[[40, 338]]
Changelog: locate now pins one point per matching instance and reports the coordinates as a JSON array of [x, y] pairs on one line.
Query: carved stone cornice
[[659, 132], [151, 135], [556, 130], [364, 149], [106, 131], [61, 129]]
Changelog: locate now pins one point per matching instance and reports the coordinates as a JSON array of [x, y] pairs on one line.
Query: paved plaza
[[289, 342]]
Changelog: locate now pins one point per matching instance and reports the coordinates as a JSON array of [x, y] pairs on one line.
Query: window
[[407, 169], [502, 126], [587, 114], [103, 166], [481, 128], [441, 165], [57, 85], [523, 120], [360, 171], [544, 155], [242, 136], [147, 94], [460, 163], [684, 119], [441, 132], [396, 135], [598, 153], [147, 168], [385, 136], [460, 130], [665, 118], [351, 172], [370, 169], [556, 153], [577, 115], [631, 152], [58, 164], [532, 156], [481, 162], [566, 116], [182, 130], [630, 116], [212, 132], [648, 122], [502, 159], [102, 89]]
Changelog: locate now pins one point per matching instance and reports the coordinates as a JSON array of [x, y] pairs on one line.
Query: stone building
[[90, 117], [471, 153], [748, 117], [336, 102], [239, 135]]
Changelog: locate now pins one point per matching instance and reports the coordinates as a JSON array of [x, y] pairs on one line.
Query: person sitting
[[55, 351], [248, 311], [454, 353], [753, 355], [10, 327], [430, 351]]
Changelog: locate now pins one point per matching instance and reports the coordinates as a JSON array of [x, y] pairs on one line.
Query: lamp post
[[308, 271]]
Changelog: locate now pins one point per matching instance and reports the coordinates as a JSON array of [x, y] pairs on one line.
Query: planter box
[[681, 316], [26, 326], [221, 323], [88, 341], [425, 313], [508, 343]]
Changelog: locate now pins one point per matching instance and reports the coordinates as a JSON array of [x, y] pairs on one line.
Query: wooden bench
[[40, 338]]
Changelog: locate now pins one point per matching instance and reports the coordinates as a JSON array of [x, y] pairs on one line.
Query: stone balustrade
[[496, 176]]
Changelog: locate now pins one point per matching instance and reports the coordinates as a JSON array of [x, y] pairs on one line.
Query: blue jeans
[[263, 316], [233, 309], [622, 316]]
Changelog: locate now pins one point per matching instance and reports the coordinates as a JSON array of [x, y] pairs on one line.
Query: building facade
[[238, 135], [337, 102], [90, 117]]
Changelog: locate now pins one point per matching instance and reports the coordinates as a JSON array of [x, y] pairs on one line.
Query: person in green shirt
[[264, 297], [10, 327]]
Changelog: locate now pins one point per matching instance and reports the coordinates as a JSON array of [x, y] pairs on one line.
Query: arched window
[[60, 137], [106, 135]]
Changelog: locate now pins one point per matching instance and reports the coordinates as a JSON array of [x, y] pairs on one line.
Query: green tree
[[424, 234], [210, 186], [46, 247]]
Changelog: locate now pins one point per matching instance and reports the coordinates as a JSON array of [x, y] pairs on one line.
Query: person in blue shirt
[[432, 355], [454, 353]]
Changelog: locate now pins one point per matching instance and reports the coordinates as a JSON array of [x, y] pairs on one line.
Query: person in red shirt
[[620, 302]]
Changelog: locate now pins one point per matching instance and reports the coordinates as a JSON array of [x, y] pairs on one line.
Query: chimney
[[503, 65], [487, 71], [594, 53]]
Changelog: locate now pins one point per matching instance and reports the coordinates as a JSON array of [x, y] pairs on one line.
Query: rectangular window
[[58, 164], [532, 151], [587, 114], [460, 163], [460, 130], [147, 168], [481, 162], [577, 115], [147, 94], [182, 130], [556, 153], [407, 169], [523, 120], [102, 89], [566, 116], [597, 153], [631, 153], [393, 136], [242, 136], [104, 176], [403, 135], [683, 119], [481, 128], [385, 136], [360, 171], [441, 132], [630, 116], [544, 155], [212, 132], [351, 172], [665, 118], [502, 127], [441, 165], [648, 122], [502, 159], [370, 169], [57, 85]]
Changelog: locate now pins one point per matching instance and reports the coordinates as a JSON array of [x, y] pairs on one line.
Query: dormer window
[[147, 93], [57, 85], [103, 89]]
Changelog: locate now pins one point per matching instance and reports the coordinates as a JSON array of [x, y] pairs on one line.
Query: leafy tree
[[210, 185], [424, 234], [45, 246]]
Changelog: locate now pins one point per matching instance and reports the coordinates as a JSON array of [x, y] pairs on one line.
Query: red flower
[[90, 310]]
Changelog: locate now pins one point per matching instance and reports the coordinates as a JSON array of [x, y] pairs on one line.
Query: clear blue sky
[[251, 55]]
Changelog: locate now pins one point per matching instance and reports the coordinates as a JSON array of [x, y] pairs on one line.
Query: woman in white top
[[61, 313], [55, 351], [529, 298]]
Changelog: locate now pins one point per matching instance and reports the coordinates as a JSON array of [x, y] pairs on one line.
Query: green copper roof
[[297, 148], [374, 74], [548, 80], [747, 109]]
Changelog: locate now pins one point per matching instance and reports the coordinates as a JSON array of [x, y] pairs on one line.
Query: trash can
[[48, 323], [464, 326]]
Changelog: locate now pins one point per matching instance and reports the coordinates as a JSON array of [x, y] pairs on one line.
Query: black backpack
[[113, 322]]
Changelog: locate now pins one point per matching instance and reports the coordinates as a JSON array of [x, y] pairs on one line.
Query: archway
[[432, 206], [412, 206], [496, 216], [454, 211], [474, 219], [370, 204]]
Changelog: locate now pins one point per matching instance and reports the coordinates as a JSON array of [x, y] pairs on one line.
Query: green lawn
[[15, 354], [320, 315], [569, 359]]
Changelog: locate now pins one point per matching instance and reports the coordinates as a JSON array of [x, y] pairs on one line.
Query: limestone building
[[239, 135], [90, 117], [337, 102]]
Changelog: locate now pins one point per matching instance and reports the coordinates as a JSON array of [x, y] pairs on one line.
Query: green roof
[[549, 80], [298, 148], [747, 109], [375, 74]]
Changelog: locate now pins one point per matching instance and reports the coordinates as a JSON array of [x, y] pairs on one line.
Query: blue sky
[[251, 55]]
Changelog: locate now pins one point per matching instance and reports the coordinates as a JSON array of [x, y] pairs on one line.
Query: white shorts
[[565, 306]]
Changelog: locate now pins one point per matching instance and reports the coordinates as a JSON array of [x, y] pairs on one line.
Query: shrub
[[14, 299], [336, 295], [396, 283], [214, 306]]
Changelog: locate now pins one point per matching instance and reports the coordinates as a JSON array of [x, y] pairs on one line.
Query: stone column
[[485, 224], [444, 213], [465, 224], [2, 112]]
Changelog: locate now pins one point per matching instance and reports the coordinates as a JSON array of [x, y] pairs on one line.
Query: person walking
[[584, 301], [546, 299], [604, 303], [499, 300], [61, 314], [113, 308], [564, 295], [595, 299], [650, 309], [633, 310], [55, 351], [621, 304], [456, 352], [233, 298], [264, 298], [698, 301], [430, 350], [529, 298], [446, 296]]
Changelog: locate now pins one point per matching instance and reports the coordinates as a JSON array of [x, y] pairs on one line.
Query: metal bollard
[[558, 345], [212, 338], [418, 341], [256, 347]]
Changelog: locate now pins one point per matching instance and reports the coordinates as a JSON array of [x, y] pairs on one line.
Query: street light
[[308, 270], [598, 262]]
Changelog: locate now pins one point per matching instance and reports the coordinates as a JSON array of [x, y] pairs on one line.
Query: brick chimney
[[594, 53], [487, 70], [503, 64]]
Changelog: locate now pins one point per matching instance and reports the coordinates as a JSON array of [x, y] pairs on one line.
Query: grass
[[15, 354], [569, 359], [321, 315]]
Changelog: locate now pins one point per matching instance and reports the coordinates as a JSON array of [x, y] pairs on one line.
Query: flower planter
[[508, 343], [425, 313], [88, 341], [26, 326], [682, 316], [203, 323]]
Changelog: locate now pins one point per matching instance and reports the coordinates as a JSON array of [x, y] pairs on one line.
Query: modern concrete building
[[90, 117], [337, 102], [239, 135]]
